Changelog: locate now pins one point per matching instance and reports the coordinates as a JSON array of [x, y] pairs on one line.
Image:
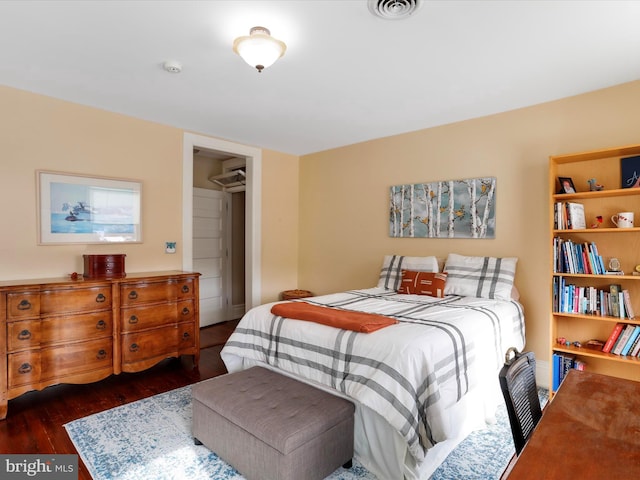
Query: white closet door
[[208, 253]]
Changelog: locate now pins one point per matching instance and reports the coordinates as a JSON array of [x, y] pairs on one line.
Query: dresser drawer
[[88, 326], [140, 318], [75, 300], [186, 288], [186, 335], [139, 293], [23, 335], [185, 311], [23, 368], [137, 347], [42, 366], [61, 361], [23, 304]]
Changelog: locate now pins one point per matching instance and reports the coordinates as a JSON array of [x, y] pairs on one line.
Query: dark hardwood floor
[[35, 421]]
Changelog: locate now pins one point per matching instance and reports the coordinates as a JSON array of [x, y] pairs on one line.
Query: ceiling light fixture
[[259, 49]]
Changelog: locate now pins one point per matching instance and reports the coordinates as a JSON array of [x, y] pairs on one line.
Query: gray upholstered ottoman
[[269, 426]]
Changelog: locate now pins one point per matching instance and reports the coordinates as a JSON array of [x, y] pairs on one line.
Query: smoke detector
[[172, 66], [393, 9]]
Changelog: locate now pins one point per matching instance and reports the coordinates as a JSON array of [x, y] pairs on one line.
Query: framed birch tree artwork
[[447, 209]]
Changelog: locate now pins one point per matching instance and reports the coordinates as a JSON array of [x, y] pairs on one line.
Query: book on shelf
[[632, 339], [614, 298], [635, 350], [571, 257], [562, 363], [557, 363], [598, 258], [567, 364], [575, 216], [622, 340], [589, 300], [615, 333], [590, 261], [560, 216], [627, 304]]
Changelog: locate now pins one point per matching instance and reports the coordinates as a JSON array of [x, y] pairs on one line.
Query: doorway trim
[[253, 218]]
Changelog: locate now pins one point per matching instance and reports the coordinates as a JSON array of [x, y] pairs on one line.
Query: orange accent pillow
[[423, 283]]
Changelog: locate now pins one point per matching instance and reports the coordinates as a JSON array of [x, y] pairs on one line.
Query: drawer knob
[[185, 311], [185, 335], [25, 368], [185, 288], [133, 295], [101, 298], [24, 335], [102, 354], [133, 319], [134, 347], [101, 325], [24, 305]]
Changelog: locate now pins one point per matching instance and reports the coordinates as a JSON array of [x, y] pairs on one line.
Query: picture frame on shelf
[[77, 208], [630, 172], [566, 185]]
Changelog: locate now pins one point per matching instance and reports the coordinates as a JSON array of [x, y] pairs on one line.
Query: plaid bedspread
[[410, 373]]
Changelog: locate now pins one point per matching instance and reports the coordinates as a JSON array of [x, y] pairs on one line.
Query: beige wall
[[344, 192], [38, 132], [203, 168], [280, 212], [324, 216]]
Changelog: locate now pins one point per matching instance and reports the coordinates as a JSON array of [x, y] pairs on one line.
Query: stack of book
[[569, 216], [624, 340], [570, 257], [562, 363], [570, 298]]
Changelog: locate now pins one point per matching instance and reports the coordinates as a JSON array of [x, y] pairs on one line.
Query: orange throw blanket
[[346, 319]]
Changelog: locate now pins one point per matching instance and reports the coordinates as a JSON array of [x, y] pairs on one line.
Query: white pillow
[[483, 277], [392, 266]]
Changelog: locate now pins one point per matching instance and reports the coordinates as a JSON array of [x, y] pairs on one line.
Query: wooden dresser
[[80, 331]]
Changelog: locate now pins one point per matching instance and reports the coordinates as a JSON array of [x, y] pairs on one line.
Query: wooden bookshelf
[[621, 243]]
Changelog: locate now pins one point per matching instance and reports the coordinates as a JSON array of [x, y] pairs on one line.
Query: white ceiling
[[346, 77]]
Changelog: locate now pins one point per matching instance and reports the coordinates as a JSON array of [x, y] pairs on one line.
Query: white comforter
[[410, 373]]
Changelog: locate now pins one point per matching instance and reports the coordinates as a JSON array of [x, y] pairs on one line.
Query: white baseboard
[[236, 311]]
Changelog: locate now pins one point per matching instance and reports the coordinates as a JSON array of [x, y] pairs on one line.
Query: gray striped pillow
[[392, 266], [483, 277]]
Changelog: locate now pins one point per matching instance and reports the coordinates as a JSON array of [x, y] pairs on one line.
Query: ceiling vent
[[393, 9]]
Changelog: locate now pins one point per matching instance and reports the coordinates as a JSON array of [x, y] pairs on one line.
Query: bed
[[420, 385]]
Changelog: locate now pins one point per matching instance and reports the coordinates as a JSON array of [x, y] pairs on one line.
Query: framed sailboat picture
[[75, 208]]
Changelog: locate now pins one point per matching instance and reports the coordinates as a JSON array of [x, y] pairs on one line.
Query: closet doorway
[[222, 296], [219, 183]]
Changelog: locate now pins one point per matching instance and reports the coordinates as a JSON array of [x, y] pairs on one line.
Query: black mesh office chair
[[518, 384]]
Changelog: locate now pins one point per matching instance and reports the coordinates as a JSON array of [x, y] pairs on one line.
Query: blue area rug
[[485, 453], [151, 440]]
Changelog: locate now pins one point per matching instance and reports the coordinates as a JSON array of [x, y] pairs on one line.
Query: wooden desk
[[591, 430]]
